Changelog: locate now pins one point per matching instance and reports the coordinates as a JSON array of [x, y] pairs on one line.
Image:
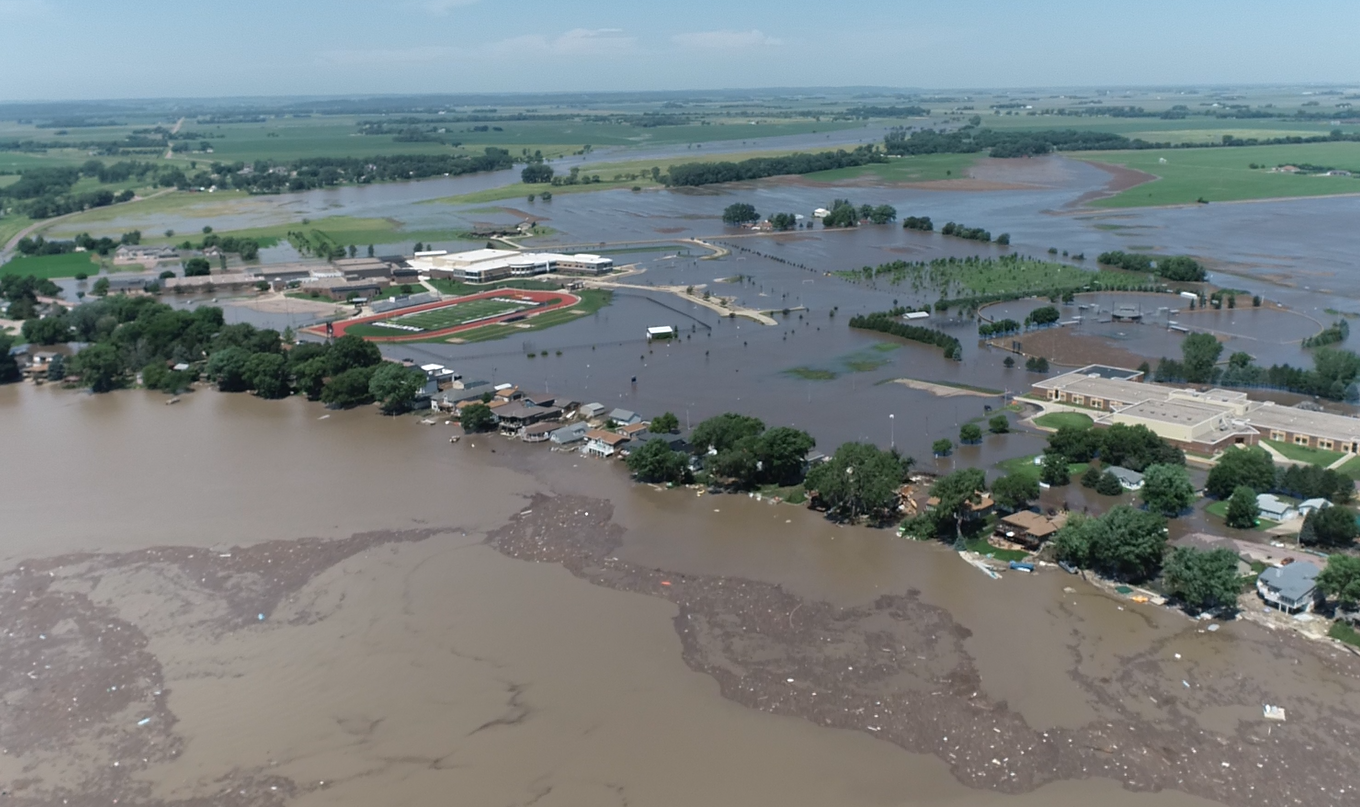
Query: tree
[[1108, 485], [476, 417], [348, 389], [999, 425], [882, 214], [1090, 477], [1332, 526], [227, 367], [349, 352], [740, 213], [1136, 447], [101, 287], [536, 174], [1167, 489], [1242, 508], [665, 423], [656, 461], [955, 492], [1341, 579], [858, 480], [197, 267], [267, 374], [942, 447], [1009, 362], [101, 367], [395, 387], [56, 369], [1125, 543], [9, 366], [724, 431], [781, 454], [1046, 315], [1252, 467], [370, 250], [1054, 471], [1203, 580], [970, 433], [1015, 491], [1199, 353]]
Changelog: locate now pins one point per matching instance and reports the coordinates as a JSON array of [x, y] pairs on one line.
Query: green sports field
[[439, 319], [52, 266]]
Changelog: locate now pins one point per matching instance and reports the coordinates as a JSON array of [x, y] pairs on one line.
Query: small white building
[[660, 332]]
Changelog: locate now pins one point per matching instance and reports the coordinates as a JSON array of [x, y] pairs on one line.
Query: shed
[[1129, 480], [592, 410]]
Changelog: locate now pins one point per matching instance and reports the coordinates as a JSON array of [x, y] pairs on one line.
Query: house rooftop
[[608, 438], [1294, 580]]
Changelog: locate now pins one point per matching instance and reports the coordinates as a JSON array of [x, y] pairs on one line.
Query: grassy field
[[979, 545], [451, 316], [1024, 276], [592, 300], [1057, 420], [1344, 633], [11, 226], [1224, 174], [1314, 456], [1351, 468], [923, 168], [1156, 130], [52, 266], [460, 289]]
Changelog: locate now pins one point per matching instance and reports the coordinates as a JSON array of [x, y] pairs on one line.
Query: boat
[[987, 570], [1067, 567], [1022, 567]]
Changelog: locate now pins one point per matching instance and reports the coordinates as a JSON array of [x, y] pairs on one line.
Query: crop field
[[1156, 130], [51, 266], [1225, 174]]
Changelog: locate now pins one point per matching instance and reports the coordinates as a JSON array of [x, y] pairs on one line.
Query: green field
[[1057, 420], [459, 289], [440, 318], [988, 277], [52, 266], [592, 300], [1024, 466], [1313, 456], [1224, 174], [923, 168]]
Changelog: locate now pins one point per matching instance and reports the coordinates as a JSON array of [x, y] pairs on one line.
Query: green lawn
[[1313, 456], [592, 300], [1057, 420], [1224, 174], [12, 225], [1220, 510], [52, 266], [1351, 468], [1024, 466], [921, 168], [458, 288], [979, 545], [1344, 633]]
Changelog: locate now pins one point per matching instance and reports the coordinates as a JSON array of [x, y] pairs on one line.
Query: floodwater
[[398, 659]]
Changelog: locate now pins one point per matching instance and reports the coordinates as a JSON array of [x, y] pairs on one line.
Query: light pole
[[892, 435]]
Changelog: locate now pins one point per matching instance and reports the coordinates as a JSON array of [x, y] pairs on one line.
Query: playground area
[[450, 317]]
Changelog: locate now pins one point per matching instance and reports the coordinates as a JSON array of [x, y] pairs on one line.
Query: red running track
[[565, 299]]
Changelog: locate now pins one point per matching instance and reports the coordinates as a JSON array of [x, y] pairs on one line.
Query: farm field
[[51, 266], [1156, 130], [922, 168], [1225, 174]]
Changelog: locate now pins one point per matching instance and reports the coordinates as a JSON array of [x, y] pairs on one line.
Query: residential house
[[567, 435], [1291, 587], [636, 431], [1129, 480], [1313, 505], [601, 443], [1026, 528], [539, 432], [982, 507], [623, 417], [516, 415], [1274, 508]]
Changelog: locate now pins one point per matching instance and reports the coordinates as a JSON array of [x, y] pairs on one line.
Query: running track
[[565, 299]]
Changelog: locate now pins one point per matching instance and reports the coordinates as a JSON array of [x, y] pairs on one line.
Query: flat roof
[[1290, 419], [1100, 387]]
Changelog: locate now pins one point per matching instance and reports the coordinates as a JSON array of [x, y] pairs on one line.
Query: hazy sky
[[84, 49]]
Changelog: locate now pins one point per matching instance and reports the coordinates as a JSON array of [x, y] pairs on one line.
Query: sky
[[96, 49]]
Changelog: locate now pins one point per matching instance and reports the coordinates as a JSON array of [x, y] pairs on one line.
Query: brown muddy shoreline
[[898, 670]]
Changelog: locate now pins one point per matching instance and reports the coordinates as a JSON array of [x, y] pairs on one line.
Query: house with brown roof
[[601, 443], [1026, 528]]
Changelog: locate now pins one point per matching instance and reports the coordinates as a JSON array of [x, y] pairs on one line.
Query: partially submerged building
[[1201, 421], [490, 265]]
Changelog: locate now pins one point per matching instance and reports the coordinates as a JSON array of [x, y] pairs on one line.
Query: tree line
[[970, 140], [1334, 375], [890, 322], [709, 173], [1178, 267]]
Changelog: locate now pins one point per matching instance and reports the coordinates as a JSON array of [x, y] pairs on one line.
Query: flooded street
[[236, 601]]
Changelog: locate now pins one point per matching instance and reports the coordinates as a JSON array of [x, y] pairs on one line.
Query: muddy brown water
[[305, 610]]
